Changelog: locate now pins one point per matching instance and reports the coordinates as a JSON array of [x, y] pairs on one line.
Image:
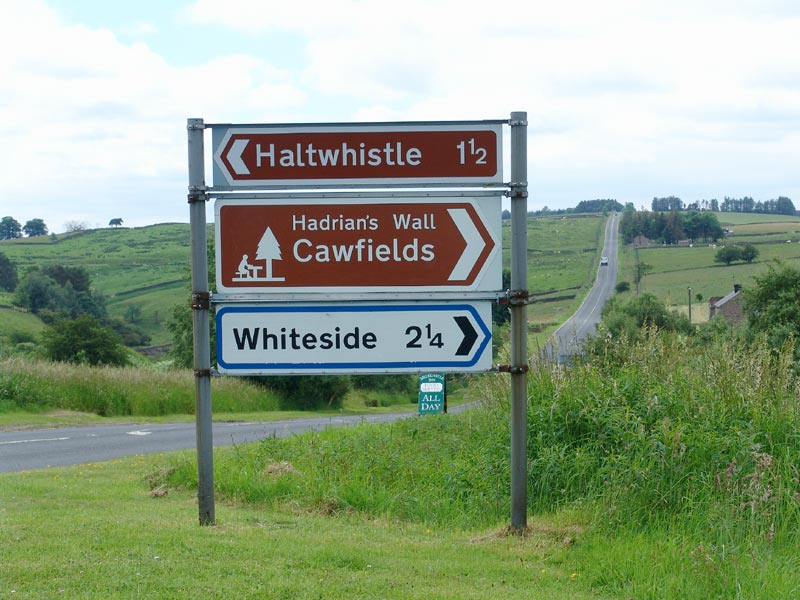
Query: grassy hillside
[[147, 268], [144, 267]]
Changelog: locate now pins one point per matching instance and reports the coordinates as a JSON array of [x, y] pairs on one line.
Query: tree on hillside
[[672, 203], [8, 274], [73, 226], [10, 228], [83, 340], [78, 277], [673, 228], [702, 225], [54, 291], [772, 305], [35, 227], [38, 292], [621, 319], [728, 254], [784, 206], [598, 206], [749, 253], [669, 226]]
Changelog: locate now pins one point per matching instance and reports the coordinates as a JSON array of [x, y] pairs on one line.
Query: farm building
[[729, 307]]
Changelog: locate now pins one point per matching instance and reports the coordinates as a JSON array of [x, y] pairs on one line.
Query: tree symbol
[[268, 250]]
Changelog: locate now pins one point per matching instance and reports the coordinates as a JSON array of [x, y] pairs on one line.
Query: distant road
[[582, 324]]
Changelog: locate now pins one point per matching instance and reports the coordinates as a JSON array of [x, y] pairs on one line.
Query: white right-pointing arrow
[[475, 244], [234, 157]]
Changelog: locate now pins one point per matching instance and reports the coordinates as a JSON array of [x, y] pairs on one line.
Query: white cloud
[[625, 99]]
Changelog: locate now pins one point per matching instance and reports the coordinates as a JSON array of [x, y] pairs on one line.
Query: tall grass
[[681, 465], [646, 438], [665, 429], [433, 469], [40, 386]]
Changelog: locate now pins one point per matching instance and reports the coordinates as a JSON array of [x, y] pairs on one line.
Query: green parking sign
[[431, 399]]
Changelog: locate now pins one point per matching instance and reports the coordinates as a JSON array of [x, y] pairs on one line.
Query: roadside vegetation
[[663, 464], [659, 468]]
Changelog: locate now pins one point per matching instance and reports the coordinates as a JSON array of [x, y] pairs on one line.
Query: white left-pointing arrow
[[234, 157], [475, 244]]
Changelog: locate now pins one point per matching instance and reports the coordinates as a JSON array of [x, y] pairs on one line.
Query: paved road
[[582, 324], [40, 448]]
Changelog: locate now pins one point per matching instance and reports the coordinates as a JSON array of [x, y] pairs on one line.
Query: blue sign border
[[487, 336]]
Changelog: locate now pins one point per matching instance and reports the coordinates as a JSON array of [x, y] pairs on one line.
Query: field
[[143, 267], [563, 253], [672, 476], [676, 269]]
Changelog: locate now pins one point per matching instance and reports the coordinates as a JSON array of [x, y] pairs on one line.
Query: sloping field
[[143, 267], [676, 269]]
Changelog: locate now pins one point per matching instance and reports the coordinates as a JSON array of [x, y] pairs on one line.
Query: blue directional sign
[[325, 338]]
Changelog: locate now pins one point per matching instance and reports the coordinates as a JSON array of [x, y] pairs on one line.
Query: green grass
[[40, 386], [728, 219], [18, 327], [94, 532]]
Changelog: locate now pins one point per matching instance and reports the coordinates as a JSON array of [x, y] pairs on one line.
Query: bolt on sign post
[[336, 255], [431, 399]]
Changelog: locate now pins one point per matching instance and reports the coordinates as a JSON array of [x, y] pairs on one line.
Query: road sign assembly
[[324, 265]]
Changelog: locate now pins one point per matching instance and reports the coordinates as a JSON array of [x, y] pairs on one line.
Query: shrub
[[84, 341]]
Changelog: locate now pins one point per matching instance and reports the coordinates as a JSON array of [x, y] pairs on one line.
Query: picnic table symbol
[[268, 250]]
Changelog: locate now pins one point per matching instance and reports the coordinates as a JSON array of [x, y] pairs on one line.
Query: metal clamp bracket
[[197, 194], [512, 370], [514, 298], [201, 300]]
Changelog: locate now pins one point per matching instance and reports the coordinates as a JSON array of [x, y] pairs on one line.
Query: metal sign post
[[200, 322], [519, 320]]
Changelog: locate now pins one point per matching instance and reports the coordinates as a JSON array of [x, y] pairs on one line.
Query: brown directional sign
[[261, 156], [320, 245]]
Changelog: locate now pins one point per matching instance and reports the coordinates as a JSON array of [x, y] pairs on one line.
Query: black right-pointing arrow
[[470, 335]]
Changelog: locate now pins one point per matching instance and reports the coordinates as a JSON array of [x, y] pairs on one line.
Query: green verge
[[95, 532], [676, 463]]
